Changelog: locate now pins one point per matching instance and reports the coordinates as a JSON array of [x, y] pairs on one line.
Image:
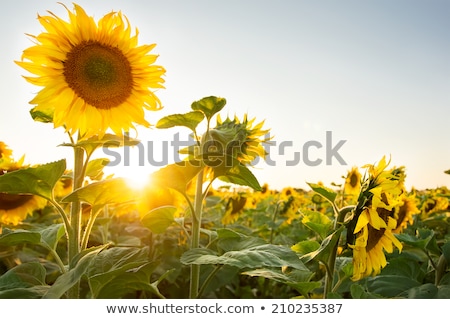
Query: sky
[[339, 83]]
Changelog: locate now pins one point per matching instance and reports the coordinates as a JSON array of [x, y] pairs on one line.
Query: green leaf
[[94, 169], [117, 271], [229, 240], [209, 105], [107, 140], [317, 222], [73, 276], [52, 234], [101, 193], [328, 244], [44, 116], [159, 219], [425, 291], [255, 257], [18, 237], [25, 281], [446, 251], [425, 240], [390, 285], [189, 120], [35, 292], [176, 176], [38, 180], [305, 247], [326, 192], [239, 175], [358, 292], [447, 171], [23, 276]]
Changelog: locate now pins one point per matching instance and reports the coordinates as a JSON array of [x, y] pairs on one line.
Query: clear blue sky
[[374, 73]]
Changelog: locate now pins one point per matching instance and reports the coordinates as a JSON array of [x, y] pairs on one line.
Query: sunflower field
[[203, 227]]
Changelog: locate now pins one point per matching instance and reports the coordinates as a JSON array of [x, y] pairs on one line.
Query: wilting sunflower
[[371, 244], [370, 233], [94, 75], [352, 184]]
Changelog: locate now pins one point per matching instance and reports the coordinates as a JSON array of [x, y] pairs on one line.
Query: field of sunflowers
[[73, 232]]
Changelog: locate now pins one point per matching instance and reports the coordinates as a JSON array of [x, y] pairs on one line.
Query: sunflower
[[235, 139], [5, 152], [94, 75], [404, 213], [352, 184], [370, 245], [376, 218]]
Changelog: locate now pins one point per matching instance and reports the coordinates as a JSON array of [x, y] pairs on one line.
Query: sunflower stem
[[74, 238], [329, 279], [195, 237]]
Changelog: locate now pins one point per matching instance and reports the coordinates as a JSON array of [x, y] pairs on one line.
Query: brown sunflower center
[[99, 74], [9, 201], [354, 180], [376, 234]]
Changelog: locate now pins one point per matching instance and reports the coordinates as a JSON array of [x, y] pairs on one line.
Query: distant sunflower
[[404, 213], [94, 75], [352, 184], [5, 152]]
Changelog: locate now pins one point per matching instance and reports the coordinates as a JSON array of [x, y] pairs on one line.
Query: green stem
[[74, 238], [440, 270], [208, 280], [63, 215], [329, 279], [195, 237], [88, 229]]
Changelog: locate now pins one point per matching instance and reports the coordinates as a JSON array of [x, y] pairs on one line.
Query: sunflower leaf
[[45, 116], [239, 175], [177, 175], [266, 255], [326, 192], [99, 194], [94, 169], [19, 236], [189, 120], [323, 252], [38, 180], [209, 105], [158, 219]]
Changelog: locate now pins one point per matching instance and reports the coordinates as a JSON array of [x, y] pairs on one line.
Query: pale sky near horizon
[[373, 73]]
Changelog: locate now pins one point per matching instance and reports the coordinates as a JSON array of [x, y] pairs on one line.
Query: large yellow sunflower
[[94, 75]]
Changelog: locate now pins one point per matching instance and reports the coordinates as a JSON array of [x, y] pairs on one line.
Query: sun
[[137, 177]]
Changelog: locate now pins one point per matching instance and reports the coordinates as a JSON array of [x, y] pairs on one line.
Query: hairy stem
[[195, 237]]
